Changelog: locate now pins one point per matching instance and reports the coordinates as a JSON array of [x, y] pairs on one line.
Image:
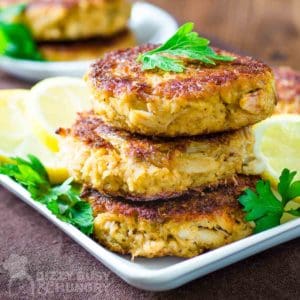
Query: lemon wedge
[[17, 139], [54, 103], [277, 145]]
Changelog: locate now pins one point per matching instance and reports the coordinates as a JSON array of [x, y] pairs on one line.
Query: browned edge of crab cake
[[202, 99], [144, 168], [185, 226], [288, 90], [86, 49]]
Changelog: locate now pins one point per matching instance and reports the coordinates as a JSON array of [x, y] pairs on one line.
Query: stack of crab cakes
[[164, 156]]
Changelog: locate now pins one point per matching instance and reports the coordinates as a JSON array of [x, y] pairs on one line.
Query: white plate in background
[[160, 274], [149, 23]]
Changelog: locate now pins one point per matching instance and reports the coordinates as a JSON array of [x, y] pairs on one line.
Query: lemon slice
[[31, 145], [12, 129], [54, 103], [16, 138], [277, 145]]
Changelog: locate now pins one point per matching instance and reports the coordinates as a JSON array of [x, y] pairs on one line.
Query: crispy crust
[[202, 99], [85, 49], [90, 129], [185, 226], [288, 89], [192, 205], [146, 168], [53, 20], [191, 84]]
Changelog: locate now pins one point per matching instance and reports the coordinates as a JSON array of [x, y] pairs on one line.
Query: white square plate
[[162, 274]]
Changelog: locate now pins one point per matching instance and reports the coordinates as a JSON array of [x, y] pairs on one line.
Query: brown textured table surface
[[52, 266]]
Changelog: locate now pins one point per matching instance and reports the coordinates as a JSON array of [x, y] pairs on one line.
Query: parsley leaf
[[62, 200], [264, 208], [184, 44], [285, 181], [163, 62], [15, 38]]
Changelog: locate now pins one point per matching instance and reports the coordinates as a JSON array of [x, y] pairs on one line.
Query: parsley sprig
[[264, 208], [15, 38], [184, 44], [62, 200]]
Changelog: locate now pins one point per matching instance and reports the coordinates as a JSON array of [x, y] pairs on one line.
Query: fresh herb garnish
[[15, 38], [264, 208], [183, 44], [62, 200]]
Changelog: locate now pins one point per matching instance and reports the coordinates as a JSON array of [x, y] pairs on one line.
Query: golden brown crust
[[202, 99], [184, 227], [288, 90], [143, 168], [91, 130], [197, 80], [211, 199], [85, 129]]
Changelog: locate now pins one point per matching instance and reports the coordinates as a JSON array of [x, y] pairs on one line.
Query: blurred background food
[[43, 38], [68, 29], [288, 90], [85, 49], [266, 29], [62, 20]]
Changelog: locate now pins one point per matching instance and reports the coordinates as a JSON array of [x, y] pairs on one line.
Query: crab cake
[[73, 19], [203, 99], [83, 50], [288, 89], [184, 226], [118, 163]]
